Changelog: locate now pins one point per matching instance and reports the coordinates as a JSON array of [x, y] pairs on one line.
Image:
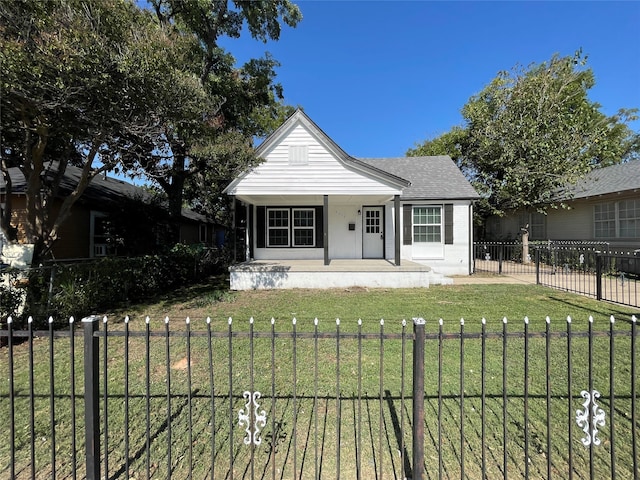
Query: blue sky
[[380, 76]]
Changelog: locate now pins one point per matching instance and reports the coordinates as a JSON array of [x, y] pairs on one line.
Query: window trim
[[97, 249], [269, 228], [312, 228], [616, 220], [440, 224]]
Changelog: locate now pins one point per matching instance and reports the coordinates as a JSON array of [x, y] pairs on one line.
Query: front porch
[[339, 273]]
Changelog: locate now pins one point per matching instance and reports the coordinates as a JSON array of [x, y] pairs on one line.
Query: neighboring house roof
[[432, 178], [602, 181], [102, 190]]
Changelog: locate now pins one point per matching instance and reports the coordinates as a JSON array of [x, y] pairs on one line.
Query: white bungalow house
[[318, 218]]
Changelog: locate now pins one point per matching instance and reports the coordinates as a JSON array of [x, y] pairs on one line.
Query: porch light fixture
[[359, 212]]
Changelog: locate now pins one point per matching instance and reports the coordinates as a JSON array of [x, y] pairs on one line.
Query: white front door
[[372, 232]]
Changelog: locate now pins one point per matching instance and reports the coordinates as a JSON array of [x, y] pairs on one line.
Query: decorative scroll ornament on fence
[[259, 418], [597, 417]]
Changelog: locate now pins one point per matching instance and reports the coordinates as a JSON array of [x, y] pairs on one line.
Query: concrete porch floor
[[374, 273]]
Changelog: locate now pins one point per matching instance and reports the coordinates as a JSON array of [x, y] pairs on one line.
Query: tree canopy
[[531, 132], [194, 147], [111, 86]]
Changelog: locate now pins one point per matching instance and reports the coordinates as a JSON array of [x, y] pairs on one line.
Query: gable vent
[[298, 154]]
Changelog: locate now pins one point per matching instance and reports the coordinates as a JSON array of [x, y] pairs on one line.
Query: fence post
[[537, 256], [91, 397], [418, 398], [598, 276], [500, 256]]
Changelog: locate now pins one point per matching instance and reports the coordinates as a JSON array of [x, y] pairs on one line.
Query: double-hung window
[[617, 219], [304, 227], [605, 220], [295, 227], [278, 227], [629, 218], [427, 224]]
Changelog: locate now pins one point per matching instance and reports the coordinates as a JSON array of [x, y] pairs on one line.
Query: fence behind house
[[224, 399]]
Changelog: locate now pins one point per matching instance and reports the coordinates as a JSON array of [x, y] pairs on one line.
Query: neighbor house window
[[99, 235], [629, 218], [605, 220], [537, 226], [535, 223], [427, 224], [203, 233], [278, 227], [617, 219]]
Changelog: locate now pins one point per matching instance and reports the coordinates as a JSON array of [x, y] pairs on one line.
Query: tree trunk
[[525, 245], [175, 191]]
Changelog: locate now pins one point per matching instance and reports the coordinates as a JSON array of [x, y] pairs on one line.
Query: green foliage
[[82, 289], [203, 140], [449, 143], [110, 86], [533, 131], [76, 85]]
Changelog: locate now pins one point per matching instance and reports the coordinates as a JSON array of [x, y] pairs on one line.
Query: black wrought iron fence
[[613, 277], [222, 399], [586, 268]]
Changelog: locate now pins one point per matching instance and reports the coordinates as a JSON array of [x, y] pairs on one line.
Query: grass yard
[[369, 403]]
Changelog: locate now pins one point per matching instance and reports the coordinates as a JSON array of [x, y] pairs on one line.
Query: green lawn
[[371, 416]]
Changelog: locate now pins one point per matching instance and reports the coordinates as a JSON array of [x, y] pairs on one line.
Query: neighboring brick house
[[108, 201]]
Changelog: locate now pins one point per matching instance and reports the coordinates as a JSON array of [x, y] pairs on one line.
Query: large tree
[[531, 132], [199, 145], [73, 91], [110, 86]]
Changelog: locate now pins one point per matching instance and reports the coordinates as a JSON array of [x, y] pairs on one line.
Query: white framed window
[[427, 224], [304, 231], [629, 218], [99, 235], [291, 227], [617, 219], [278, 227], [604, 220]]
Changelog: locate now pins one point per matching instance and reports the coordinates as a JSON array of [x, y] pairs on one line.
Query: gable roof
[[432, 177], [602, 181], [343, 157], [102, 191]]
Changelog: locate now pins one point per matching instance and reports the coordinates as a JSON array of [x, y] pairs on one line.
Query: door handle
[[381, 237]]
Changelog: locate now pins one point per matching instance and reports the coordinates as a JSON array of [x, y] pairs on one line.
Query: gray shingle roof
[[432, 178], [602, 181]]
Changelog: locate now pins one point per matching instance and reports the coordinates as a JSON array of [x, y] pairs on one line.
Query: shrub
[[78, 290]]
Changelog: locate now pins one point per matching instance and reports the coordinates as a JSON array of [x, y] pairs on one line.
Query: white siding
[[345, 243], [324, 174], [451, 259]]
